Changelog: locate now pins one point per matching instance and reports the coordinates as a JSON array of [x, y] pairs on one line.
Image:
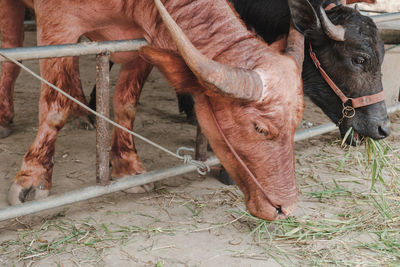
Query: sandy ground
[[189, 220]]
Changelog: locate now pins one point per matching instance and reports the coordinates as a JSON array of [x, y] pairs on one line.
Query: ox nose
[[384, 129], [283, 212]]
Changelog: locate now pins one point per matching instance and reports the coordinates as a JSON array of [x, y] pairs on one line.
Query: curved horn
[[233, 82], [335, 32]]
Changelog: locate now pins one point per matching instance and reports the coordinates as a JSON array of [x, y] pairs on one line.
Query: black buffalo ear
[[304, 16]]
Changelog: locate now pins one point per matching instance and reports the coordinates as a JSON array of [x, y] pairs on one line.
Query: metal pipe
[[314, 131], [97, 190], [328, 127], [103, 127], [394, 108], [29, 25], [67, 50], [29, 22], [386, 17]]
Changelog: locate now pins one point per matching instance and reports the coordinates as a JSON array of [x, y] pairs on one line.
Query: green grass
[[356, 227], [61, 235], [353, 219]]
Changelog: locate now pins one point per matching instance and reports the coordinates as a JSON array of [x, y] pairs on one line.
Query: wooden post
[[102, 127]]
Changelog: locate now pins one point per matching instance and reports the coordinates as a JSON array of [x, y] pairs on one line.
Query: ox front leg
[[12, 35], [124, 158], [34, 178]]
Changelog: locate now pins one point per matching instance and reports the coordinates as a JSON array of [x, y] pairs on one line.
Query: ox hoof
[[191, 119], [84, 123], [17, 194], [140, 189], [5, 131], [225, 178]]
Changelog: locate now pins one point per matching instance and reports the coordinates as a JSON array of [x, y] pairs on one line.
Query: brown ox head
[[257, 109]]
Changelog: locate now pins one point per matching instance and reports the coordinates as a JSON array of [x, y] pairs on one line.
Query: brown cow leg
[[34, 177], [124, 158], [12, 35]]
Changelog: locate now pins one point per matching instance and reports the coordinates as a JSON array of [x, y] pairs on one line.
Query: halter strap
[[231, 148], [238, 158]]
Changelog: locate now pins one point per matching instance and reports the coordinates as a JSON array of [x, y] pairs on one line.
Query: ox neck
[[234, 42]]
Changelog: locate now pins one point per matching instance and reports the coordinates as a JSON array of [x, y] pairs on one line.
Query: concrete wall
[[391, 64], [383, 5], [391, 75]]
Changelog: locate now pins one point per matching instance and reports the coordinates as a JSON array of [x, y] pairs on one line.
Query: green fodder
[[352, 226], [383, 163], [82, 241]]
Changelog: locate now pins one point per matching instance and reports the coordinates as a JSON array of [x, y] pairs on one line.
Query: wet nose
[[283, 212], [384, 129]]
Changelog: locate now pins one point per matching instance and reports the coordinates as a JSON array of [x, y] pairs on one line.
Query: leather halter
[[362, 101], [231, 148], [358, 102]]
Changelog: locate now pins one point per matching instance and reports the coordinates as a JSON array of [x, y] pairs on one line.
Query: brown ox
[[11, 29], [12, 35], [253, 89]]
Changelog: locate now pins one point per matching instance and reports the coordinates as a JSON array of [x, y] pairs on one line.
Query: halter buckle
[[348, 111]]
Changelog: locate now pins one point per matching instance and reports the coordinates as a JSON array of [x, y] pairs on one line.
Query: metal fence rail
[[135, 180], [102, 48], [328, 127], [97, 190], [386, 17], [66, 50]]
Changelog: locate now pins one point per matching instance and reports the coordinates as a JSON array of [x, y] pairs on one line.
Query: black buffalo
[[354, 64]]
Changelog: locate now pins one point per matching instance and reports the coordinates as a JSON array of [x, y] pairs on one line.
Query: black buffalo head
[[349, 48]]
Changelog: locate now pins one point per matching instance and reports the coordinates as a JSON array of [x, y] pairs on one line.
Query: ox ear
[[304, 16]]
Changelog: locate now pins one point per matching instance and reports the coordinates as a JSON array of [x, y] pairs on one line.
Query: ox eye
[[260, 130], [359, 60]]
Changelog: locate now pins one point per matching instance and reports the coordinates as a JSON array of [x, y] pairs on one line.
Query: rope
[[202, 168]]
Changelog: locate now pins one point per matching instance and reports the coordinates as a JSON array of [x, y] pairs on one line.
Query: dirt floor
[[191, 220]]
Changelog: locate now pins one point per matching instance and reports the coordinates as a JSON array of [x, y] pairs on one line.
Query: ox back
[[269, 18]]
